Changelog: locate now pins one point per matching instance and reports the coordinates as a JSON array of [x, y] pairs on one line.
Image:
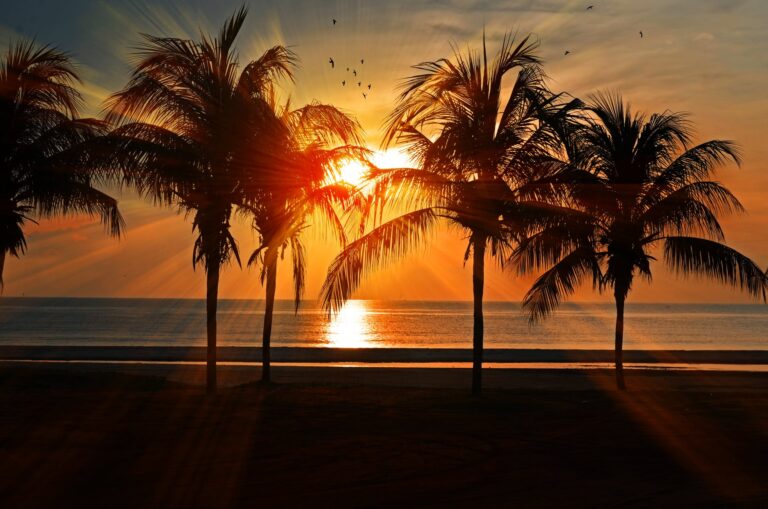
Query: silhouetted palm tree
[[190, 121], [294, 183], [641, 184], [46, 170], [484, 166]]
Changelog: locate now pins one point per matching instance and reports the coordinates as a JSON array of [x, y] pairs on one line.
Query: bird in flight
[[343, 83], [362, 60], [365, 96], [567, 52], [347, 69], [330, 61], [354, 72], [641, 34], [369, 86], [334, 21], [359, 83], [590, 7]]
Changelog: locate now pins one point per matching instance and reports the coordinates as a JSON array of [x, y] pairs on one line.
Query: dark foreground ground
[[79, 438]]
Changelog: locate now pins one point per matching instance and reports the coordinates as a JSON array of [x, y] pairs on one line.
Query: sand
[[83, 435]]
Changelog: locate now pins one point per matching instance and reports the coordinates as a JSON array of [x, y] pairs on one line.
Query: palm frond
[[702, 257], [692, 208], [695, 164], [298, 258], [323, 124], [560, 281], [380, 247], [550, 234], [41, 77], [411, 187], [231, 29], [325, 200], [274, 64], [67, 197], [661, 138], [12, 238]]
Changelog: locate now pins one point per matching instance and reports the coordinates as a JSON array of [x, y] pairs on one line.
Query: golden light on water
[[351, 327]]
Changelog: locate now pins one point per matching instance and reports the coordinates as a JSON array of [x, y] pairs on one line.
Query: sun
[[353, 171]]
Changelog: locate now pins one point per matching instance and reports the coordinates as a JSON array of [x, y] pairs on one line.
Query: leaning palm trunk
[[478, 280], [266, 375], [618, 349], [212, 298]]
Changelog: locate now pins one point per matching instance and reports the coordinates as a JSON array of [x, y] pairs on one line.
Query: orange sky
[[706, 57]]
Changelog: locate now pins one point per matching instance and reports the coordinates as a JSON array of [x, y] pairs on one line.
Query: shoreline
[[322, 355], [506, 378]]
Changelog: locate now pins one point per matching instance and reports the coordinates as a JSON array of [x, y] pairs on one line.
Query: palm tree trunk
[[212, 297], [618, 352], [478, 280], [2, 267], [266, 375]]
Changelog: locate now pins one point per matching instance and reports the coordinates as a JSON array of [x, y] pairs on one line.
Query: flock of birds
[[591, 8], [332, 62]]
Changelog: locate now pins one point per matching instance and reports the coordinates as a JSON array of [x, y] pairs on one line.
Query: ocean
[[422, 324]]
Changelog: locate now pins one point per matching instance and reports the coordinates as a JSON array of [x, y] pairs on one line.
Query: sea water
[[422, 324]]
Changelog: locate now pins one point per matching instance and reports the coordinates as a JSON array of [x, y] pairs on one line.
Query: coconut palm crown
[[46, 168], [641, 184]]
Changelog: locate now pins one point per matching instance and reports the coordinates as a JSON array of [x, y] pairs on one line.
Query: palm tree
[[46, 168], [641, 184], [295, 182], [189, 122], [482, 167]]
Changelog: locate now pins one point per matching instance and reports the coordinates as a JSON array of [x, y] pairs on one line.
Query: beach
[[146, 435]]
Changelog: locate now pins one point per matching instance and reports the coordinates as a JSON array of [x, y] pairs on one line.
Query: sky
[[708, 58]]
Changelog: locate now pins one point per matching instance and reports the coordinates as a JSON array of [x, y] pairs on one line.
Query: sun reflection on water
[[351, 327]]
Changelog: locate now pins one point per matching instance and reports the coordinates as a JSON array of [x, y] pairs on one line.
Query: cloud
[[704, 37], [451, 30], [722, 5], [495, 5]]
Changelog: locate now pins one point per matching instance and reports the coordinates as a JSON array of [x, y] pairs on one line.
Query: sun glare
[[391, 158], [351, 327], [352, 172]]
